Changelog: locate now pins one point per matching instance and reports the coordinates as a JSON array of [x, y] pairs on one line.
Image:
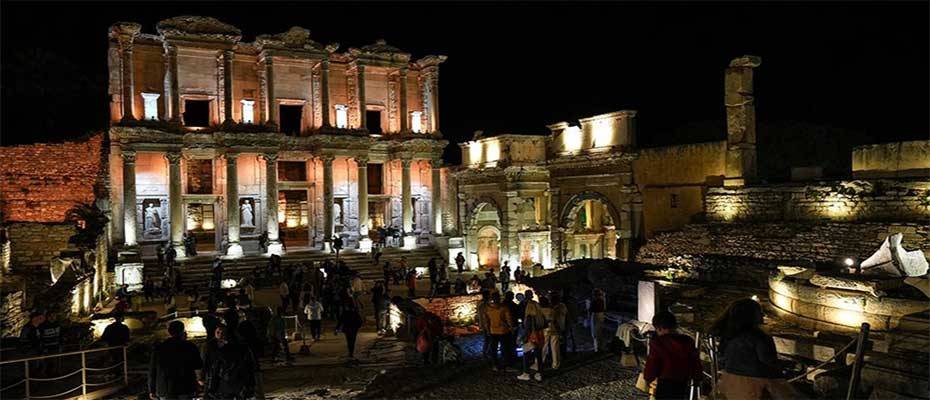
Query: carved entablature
[[614, 162], [295, 39], [526, 174], [430, 61], [380, 53], [197, 28], [418, 148]]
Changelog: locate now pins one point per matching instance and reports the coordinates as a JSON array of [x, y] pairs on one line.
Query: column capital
[[228, 54], [406, 162], [324, 64], [231, 156], [402, 71], [125, 32], [436, 162], [129, 156], [362, 161], [173, 157], [327, 159], [270, 157]]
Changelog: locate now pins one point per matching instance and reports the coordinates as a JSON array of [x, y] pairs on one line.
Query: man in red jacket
[[673, 360]]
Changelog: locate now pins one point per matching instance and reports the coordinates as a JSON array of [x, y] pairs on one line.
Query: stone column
[[328, 228], [272, 116], [404, 117], [227, 86], [175, 206], [406, 205], [364, 243], [741, 121], [129, 197], [173, 100], [360, 71], [234, 249], [435, 100], [436, 196], [324, 91], [125, 33], [271, 203]]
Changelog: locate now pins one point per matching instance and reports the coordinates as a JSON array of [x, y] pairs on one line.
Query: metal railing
[[88, 390], [290, 333]]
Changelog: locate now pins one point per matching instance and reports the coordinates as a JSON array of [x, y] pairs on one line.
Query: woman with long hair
[[750, 362]]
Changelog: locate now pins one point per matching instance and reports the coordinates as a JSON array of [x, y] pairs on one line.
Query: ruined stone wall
[[41, 182], [459, 311], [877, 200], [886, 160], [13, 315], [823, 242], [673, 179], [36, 243]]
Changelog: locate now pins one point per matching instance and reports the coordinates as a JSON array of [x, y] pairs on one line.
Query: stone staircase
[[196, 271]]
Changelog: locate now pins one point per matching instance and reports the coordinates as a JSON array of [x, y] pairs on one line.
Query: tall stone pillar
[[234, 248], [272, 114], [324, 91], [364, 223], [129, 197], [434, 81], [406, 205], [227, 87], [125, 33], [741, 121], [404, 117], [175, 205], [271, 203], [360, 71], [173, 99], [436, 196], [328, 228]]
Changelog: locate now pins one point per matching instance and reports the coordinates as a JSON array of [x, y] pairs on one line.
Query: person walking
[[351, 323], [337, 245], [277, 334], [554, 329], [673, 360], [284, 293], [498, 319], [160, 254], [596, 313], [229, 367], [749, 359], [314, 312], [175, 367], [378, 296], [534, 323], [412, 283], [171, 254], [483, 322], [433, 272], [460, 262], [571, 320], [505, 277]]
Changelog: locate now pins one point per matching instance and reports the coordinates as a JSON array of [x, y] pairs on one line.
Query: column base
[[275, 248], [410, 242], [364, 245], [234, 250], [181, 253], [328, 246]]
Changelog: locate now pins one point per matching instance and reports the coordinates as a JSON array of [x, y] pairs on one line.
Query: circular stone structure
[[843, 304]]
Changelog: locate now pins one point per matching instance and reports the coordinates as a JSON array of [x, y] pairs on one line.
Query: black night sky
[[833, 75]]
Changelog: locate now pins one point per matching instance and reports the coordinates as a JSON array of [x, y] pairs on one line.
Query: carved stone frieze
[[190, 27]]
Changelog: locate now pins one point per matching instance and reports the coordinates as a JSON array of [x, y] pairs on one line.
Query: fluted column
[[234, 249], [328, 228], [404, 117], [324, 91], [360, 70], [435, 101], [436, 197], [175, 206], [406, 205], [129, 197], [125, 34], [173, 100], [272, 115], [364, 223], [271, 203], [227, 86]]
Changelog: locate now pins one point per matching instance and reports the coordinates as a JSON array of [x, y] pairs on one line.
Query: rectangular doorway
[[201, 223], [294, 218], [373, 122], [290, 116]]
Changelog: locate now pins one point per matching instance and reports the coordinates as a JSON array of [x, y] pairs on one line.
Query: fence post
[[857, 364], [26, 364], [125, 368], [84, 373]]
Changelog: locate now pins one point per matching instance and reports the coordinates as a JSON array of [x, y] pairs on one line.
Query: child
[[673, 360]]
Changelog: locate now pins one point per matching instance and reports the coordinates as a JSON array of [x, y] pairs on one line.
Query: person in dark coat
[[673, 360], [351, 323], [229, 367], [175, 366]]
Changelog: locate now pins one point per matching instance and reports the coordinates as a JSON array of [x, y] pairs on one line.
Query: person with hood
[[673, 360]]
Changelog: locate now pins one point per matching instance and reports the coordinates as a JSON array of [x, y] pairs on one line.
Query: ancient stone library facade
[[228, 140]]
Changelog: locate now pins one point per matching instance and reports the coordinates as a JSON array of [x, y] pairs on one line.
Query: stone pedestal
[[647, 294], [410, 242], [364, 245], [130, 274]]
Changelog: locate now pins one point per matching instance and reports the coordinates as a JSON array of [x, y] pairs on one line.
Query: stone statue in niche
[[337, 215], [152, 222], [248, 217]]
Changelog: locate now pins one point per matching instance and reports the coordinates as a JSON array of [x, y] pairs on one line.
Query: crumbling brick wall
[[37, 243], [41, 182]]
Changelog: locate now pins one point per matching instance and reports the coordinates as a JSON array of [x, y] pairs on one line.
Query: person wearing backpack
[[230, 367], [534, 323]]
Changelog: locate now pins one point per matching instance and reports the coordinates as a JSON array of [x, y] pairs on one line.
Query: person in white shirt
[[284, 292], [314, 311]]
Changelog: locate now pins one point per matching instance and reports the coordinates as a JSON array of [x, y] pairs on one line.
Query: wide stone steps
[[197, 271]]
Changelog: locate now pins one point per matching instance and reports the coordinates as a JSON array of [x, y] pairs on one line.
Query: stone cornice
[[199, 29]]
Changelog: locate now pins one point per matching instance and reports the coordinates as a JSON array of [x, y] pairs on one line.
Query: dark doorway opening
[[290, 117], [375, 179], [197, 113], [373, 122]]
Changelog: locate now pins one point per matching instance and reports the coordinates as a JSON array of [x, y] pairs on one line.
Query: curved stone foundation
[[819, 308]]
